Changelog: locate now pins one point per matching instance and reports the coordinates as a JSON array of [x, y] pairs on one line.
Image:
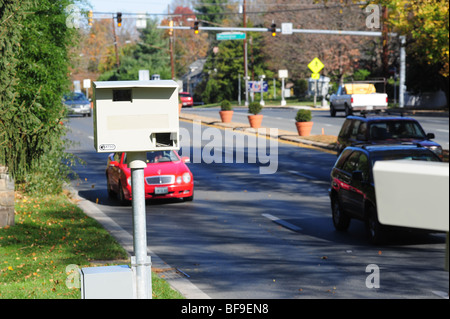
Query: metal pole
[[244, 16], [142, 264], [261, 83], [402, 86], [116, 43], [274, 89], [239, 89], [283, 101], [246, 73]]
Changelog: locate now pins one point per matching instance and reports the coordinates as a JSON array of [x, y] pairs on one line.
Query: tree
[[426, 26], [223, 69], [150, 53], [210, 10], [31, 108], [342, 55], [188, 46]]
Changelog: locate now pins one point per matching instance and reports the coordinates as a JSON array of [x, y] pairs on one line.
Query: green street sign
[[230, 36]]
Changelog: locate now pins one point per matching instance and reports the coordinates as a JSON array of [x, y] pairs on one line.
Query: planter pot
[[304, 128], [255, 120], [180, 106], [226, 116]]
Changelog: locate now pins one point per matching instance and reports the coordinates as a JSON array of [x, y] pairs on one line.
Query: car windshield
[[77, 97], [396, 130], [161, 156], [185, 95]]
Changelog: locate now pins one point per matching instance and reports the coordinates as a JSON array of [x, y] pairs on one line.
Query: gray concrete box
[[107, 282]]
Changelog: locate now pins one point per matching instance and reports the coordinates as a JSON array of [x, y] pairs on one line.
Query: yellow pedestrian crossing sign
[[316, 65]]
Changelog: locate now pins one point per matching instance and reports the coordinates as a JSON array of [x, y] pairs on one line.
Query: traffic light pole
[[116, 44], [325, 32]]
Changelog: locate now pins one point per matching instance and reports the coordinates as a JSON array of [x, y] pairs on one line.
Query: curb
[[171, 275], [285, 136]]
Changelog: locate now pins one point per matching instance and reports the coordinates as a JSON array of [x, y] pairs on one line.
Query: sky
[[130, 6]]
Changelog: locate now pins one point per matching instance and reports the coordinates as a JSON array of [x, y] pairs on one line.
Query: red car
[[186, 99], [166, 176]]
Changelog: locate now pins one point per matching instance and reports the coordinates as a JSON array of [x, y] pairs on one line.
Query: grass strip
[[51, 233]]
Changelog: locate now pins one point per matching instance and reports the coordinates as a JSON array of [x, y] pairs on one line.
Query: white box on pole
[[412, 194], [136, 116]]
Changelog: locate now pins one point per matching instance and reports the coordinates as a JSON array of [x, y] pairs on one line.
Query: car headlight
[[437, 150], [186, 177]]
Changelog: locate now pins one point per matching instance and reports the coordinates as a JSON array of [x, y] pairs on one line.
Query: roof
[[381, 118], [391, 147], [135, 84]]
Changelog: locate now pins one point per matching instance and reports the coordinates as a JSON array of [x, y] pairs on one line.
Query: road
[[284, 118], [251, 235]]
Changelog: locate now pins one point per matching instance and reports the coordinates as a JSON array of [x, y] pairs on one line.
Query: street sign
[[283, 74], [316, 65], [255, 86], [286, 28], [230, 36], [315, 76]]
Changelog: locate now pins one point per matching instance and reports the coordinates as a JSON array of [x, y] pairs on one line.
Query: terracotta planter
[[255, 120], [226, 116], [304, 128]]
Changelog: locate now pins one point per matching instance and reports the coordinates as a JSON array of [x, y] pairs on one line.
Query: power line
[[321, 7]]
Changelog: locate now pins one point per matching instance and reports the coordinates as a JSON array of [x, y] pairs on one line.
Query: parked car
[[375, 129], [166, 176], [352, 191], [186, 99], [357, 97], [77, 103]]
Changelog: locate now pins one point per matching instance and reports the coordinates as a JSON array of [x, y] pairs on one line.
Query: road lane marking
[[302, 175], [282, 222]]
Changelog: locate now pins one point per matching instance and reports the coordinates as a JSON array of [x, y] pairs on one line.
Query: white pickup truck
[[357, 97]]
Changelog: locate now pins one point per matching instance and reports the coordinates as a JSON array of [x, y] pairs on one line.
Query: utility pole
[[385, 57], [171, 40], [116, 44], [245, 55]]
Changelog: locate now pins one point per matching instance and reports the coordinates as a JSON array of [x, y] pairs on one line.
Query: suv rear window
[[395, 129]]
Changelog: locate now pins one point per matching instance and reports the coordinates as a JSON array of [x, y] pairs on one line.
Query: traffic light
[[196, 27], [119, 19], [273, 29], [90, 17]]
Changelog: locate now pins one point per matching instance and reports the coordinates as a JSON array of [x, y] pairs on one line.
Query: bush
[[254, 108], [226, 106], [303, 116]]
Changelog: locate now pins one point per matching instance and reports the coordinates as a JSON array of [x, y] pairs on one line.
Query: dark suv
[[378, 129], [352, 191]]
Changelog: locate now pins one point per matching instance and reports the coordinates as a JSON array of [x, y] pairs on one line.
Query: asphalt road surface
[[252, 235], [284, 118]]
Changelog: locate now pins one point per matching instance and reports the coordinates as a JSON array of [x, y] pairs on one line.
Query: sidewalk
[[325, 142]]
